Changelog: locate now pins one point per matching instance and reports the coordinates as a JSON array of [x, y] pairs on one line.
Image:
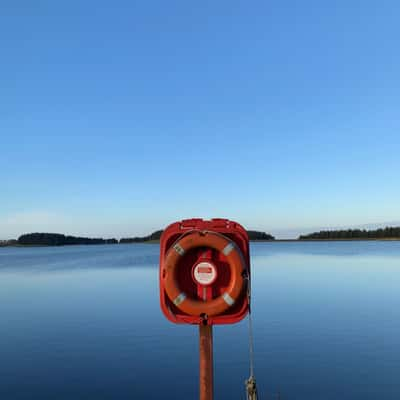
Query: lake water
[[83, 322]]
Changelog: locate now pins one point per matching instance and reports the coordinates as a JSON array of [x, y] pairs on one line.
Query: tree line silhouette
[[382, 233], [58, 239], [140, 239], [11, 242], [257, 235]]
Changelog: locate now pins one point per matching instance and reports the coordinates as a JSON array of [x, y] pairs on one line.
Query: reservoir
[[83, 322]]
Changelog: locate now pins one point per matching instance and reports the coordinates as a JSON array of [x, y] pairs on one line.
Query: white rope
[[251, 346], [251, 336], [251, 387]]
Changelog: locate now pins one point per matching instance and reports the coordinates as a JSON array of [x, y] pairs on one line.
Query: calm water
[[84, 322]]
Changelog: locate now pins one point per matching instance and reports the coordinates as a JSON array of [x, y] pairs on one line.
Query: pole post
[[206, 362]]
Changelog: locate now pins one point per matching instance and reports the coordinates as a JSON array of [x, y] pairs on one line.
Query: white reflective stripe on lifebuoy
[[179, 299], [179, 249], [228, 299], [228, 248]]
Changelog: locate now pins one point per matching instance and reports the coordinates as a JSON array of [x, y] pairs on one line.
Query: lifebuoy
[[236, 263]]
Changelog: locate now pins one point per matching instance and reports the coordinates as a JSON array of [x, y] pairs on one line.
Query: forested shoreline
[[140, 239], [382, 233], [57, 239]]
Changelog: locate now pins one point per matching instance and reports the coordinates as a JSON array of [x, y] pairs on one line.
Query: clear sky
[[119, 117]]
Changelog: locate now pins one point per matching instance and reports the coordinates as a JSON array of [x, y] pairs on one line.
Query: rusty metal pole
[[206, 362]]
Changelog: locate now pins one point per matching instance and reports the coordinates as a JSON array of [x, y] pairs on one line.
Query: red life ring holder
[[236, 263]]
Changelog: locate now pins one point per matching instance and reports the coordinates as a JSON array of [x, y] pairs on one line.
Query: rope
[[251, 347], [251, 387]]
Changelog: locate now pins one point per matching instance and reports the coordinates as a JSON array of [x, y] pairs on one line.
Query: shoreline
[[333, 240], [251, 241]]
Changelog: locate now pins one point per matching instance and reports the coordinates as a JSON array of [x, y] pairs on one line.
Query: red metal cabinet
[[204, 273]]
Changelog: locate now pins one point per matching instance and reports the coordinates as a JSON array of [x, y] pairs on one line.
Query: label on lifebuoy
[[205, 273]]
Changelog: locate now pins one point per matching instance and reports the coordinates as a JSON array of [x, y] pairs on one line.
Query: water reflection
[[84, 322]]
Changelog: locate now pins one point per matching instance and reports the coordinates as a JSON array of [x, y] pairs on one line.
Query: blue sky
[[117, 118]]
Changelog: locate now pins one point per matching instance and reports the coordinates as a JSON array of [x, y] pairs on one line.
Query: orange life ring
[[236, 263]]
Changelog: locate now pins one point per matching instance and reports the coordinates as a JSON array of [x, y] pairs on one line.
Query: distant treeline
[[386, 233], [257, 235], [57, 239], [140, 239], [11, 242]]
